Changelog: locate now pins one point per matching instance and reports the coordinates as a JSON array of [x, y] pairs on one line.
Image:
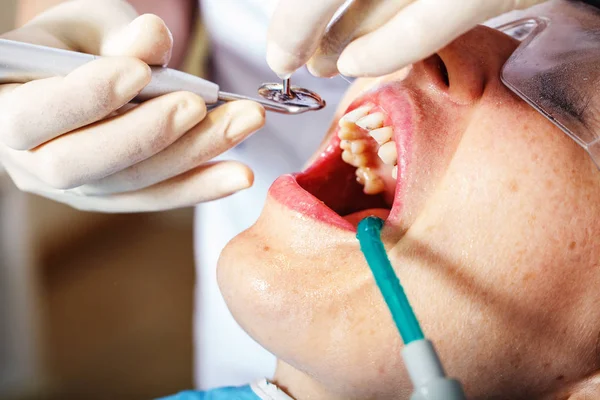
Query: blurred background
[[92, 306]]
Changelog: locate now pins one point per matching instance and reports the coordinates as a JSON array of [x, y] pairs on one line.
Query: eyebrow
[[578, 105], [554, 89], [593, 33]]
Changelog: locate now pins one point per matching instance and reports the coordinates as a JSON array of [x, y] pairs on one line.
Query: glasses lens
[[555, 70], [519, 30]]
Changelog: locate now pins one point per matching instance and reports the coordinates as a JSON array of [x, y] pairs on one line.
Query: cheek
[[509, 236], [521, 188]]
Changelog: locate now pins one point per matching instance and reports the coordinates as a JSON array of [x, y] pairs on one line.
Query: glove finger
[[360, 18], [222, 129], [295, 31], [107, 28], [409, 36], [146, 37], [104, 148], [81, 25], [205, 183], [38, 111], [23, 180]]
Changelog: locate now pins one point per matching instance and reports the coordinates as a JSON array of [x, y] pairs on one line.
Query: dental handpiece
[[24, 62]]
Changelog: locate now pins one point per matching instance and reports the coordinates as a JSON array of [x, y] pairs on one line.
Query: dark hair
[[595, 3]]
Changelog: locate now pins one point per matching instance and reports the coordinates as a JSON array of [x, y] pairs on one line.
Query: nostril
[[437, 71], [443, 70]]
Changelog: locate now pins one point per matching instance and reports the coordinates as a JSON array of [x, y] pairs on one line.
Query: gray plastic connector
[[427, 374]]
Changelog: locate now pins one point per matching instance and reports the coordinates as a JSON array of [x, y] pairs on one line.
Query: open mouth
[[362, 170]]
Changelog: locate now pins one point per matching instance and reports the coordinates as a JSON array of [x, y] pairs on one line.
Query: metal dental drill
[[23, 62]]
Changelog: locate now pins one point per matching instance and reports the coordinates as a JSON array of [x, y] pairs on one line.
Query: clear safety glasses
[[556, 69]]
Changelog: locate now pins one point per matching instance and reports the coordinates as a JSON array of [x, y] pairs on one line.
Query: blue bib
[[261, 390], [228, 393]]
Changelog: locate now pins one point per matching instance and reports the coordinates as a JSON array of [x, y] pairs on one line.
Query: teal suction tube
[[422, 362], [369, 236]]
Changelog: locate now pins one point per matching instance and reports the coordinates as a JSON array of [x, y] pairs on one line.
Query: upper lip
[[399, 104]]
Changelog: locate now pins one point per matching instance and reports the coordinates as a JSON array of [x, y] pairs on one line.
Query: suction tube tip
[[371, 225]]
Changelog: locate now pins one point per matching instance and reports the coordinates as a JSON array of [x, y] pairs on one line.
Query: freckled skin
[[497, 249]]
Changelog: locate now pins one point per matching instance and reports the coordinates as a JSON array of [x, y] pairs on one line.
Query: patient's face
[[493, 227]]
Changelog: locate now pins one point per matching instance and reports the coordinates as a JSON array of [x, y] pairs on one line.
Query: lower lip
[[289, 193]]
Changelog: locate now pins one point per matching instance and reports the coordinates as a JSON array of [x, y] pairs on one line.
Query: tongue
[[333, 182], [358, 216]]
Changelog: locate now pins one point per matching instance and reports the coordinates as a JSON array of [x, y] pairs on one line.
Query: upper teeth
[[350, 133], [359, 149], [387, 152], [371, 121], [372, 183], [356, 160], [355, 115], [382, 135], [359, 146]]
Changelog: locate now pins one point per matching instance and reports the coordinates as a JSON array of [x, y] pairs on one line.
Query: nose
[[465, 67]]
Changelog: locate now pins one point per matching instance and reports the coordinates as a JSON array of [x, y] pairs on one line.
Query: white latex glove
[[78, 141], [372, 37]]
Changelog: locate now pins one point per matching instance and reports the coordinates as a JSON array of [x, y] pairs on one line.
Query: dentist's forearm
[[179, 15]]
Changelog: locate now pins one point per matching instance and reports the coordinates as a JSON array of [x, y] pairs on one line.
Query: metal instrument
[[24, 62]]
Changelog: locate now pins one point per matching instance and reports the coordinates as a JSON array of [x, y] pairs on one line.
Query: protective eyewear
[[556, 69]]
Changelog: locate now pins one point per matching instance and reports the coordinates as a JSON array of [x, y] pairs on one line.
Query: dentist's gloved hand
[[78, 141], [373, 37]]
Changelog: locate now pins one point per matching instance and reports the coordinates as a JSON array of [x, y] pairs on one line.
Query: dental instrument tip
[[286, 88], [300, 100]]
